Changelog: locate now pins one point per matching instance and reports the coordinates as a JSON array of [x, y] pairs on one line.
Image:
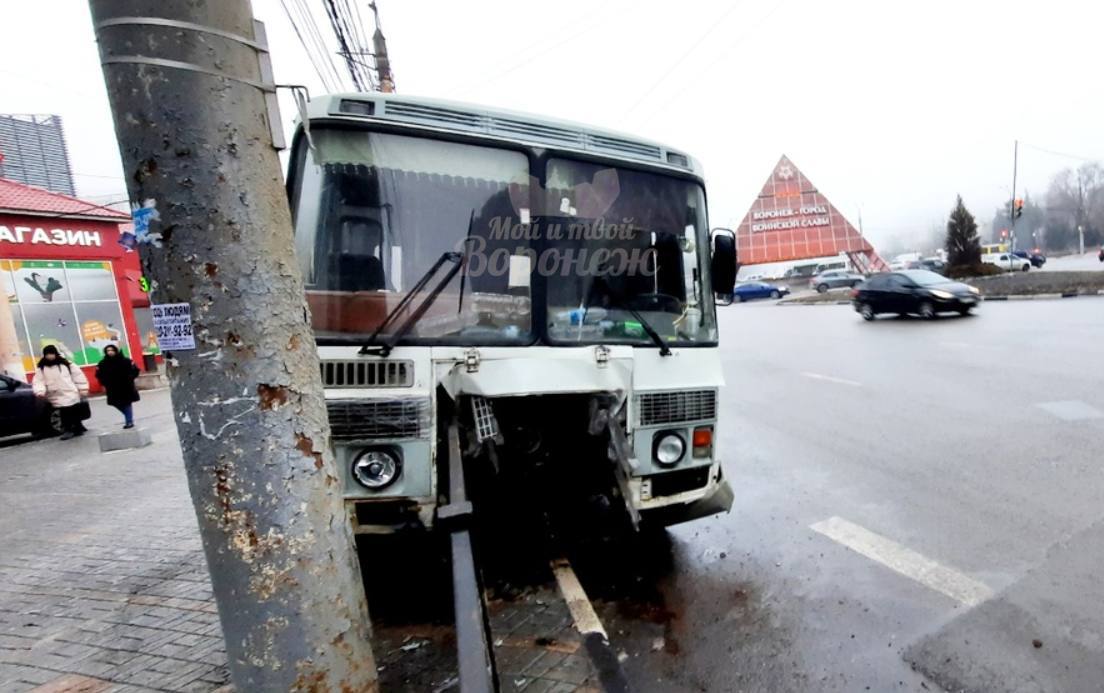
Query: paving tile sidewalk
[[103, 584]]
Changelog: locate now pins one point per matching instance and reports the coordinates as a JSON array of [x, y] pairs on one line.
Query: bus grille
[[658, 408], [348, 374], [378, 419]]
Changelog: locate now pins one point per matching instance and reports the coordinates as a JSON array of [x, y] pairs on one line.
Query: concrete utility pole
[[188, 99], [383, 62]]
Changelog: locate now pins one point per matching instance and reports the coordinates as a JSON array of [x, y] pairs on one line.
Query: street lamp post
[[1081, 239]]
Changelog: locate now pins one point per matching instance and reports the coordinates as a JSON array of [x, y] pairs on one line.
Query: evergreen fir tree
[[963, 244]]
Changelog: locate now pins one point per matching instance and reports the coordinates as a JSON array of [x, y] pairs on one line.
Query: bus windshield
[[640, 245], [611, 253], [374, 212]]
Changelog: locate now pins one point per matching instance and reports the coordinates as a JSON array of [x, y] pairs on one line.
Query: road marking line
[[1071, 410], [831, 379], [582, 611], [905, 561]]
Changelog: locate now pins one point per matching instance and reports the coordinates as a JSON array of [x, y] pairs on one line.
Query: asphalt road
[[1075, 263], [910, 514]]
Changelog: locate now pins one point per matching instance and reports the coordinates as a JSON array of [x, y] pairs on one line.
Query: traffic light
[[1004, 233], [1017, 208]]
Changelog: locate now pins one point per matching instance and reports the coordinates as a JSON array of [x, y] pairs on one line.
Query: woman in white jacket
[[63, 384]]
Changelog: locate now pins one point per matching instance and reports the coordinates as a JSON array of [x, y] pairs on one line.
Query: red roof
[[17, 197]]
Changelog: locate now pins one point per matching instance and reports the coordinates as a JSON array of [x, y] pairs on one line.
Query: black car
[[919, 292], [1036, 259], [22, 412]]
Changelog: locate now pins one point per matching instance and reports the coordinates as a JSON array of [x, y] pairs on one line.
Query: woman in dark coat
[[117, 374]]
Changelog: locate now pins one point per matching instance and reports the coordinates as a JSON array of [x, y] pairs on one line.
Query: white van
[[832, 265]]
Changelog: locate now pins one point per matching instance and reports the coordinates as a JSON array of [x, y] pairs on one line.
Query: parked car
[[932, 263], [747, 291], [918, 292], [1007, 262], [834, 279], [1036, 258], [22, 412]]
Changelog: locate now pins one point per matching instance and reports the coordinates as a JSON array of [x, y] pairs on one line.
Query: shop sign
[[37, 235]]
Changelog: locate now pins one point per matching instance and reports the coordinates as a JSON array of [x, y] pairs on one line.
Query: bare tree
[[1075, 199]]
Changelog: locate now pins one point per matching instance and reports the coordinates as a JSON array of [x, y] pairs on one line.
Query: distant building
[[33, 151]]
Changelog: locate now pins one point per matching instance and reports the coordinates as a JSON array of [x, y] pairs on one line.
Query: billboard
[[792, 220]]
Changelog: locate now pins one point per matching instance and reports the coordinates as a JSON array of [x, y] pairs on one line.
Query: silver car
[[835, 279]]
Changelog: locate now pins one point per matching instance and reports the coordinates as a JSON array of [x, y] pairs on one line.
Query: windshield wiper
[[389, 342], [619, 302], [461, 260]]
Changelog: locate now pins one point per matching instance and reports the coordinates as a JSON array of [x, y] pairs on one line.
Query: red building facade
[[67, 279]]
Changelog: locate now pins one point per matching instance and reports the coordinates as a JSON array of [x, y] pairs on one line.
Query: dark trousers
[[70, 419], [127, 410]]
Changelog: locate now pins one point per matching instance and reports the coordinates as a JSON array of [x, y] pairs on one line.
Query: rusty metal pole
[[188, 99]]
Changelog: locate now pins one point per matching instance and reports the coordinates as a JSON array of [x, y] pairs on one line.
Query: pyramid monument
[[792, 220]]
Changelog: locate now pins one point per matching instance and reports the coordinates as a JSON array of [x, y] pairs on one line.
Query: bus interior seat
[[357, 272]]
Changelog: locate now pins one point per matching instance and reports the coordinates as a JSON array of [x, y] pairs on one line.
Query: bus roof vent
[[434, 115], [617, 145], [537, 132]]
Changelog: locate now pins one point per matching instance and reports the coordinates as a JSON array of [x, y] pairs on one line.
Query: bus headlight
[[376, 469], [669, 449]]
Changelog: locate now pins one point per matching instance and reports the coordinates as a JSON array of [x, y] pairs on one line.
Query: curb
[[1013, 297], [1043, 297], [818, 303]]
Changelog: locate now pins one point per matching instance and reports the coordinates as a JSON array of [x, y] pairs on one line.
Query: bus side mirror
[[723, 264]]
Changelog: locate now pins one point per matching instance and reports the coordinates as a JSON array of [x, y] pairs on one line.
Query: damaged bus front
[[543, 288]]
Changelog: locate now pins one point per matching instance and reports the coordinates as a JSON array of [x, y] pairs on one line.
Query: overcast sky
[[889, 107]]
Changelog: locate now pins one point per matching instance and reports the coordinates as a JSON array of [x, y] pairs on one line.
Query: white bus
[[514, 290]]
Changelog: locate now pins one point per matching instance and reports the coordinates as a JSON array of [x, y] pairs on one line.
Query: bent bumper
[[719, 501]]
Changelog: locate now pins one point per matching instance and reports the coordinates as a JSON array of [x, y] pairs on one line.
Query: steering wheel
[[663, 303]]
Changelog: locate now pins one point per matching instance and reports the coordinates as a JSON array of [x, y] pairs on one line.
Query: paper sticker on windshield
[[520, 268], [524, 214]]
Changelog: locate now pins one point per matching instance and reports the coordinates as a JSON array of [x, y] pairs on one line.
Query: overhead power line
[[675, 65], [355, 45], [306, 48], [306, 28], [341, 31], [1062, 154]]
